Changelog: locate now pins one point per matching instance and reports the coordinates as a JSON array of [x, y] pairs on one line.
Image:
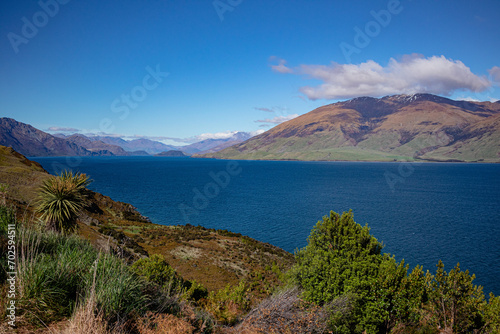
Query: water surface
[[422, 212]]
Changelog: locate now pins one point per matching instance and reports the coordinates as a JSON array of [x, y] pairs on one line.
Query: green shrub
[[365, 291], [492, 314], [455, 301], [157, 270], [194, 291], [343, 260], [229, 304]]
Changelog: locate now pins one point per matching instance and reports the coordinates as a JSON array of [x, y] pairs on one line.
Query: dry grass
[[163, 324], [85, 319], [284, 312]]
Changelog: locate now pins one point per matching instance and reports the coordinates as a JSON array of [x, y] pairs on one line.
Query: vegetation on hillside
[[343, 269]]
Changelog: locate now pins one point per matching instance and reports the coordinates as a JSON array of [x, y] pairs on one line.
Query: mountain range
[[392, 128], [30, 141]]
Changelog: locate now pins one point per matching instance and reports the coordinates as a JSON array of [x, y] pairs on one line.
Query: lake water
[[422, 212]]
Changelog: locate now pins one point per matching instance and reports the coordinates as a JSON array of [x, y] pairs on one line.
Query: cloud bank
[[411, 74]]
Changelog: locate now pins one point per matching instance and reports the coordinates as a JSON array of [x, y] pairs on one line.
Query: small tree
[[456, 301], [342, 260], [61, 198]]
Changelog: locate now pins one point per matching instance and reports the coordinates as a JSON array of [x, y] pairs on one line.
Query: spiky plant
[[61, 198]]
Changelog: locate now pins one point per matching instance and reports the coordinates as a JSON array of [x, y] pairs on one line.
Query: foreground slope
[[400, 127], [212, 257]]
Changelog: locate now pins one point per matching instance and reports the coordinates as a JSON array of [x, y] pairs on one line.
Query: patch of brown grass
[[163, 324]]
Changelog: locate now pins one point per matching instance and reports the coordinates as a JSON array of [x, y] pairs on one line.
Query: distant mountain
[[399, 127], [142, 144], [171, 153], [215, 145], [30, 141], [96, 145]]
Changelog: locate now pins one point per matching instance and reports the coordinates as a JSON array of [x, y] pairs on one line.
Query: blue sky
[[179, 69]]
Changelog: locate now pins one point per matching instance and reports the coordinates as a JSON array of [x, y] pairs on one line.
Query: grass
[[62, 276]]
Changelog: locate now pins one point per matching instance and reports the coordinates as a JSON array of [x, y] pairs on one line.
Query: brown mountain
[[400, 127], [96, 146], [30, 141]]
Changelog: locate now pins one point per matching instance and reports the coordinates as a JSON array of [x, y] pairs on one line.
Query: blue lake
[[422, 212]]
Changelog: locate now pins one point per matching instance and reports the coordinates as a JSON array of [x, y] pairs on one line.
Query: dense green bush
[[342, 268], [343, 260], [229, 304], [157, 270]]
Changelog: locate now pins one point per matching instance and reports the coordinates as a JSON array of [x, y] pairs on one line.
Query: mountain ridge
[[30, 141], [391, 128]]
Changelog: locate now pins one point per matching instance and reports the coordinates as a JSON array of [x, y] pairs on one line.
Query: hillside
[[215, 145], [212, 257], [400, 127], [30, 141], [171, 153], [96, 146]]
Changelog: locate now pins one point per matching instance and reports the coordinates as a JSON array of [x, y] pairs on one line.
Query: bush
[[492, 315], [454, 301], [157, 270], [343, 260], [194, 291], [342, 268], [229, 304]]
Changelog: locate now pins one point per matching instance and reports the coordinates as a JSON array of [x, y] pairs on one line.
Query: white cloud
[[495, 74], [62, 129], [468, 99], [257, 132], [272, 109], [276, 120], [281, 66], [218, 135], [411, 74]]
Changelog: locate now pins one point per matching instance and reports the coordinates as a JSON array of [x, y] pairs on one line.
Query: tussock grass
[[60, 276]]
